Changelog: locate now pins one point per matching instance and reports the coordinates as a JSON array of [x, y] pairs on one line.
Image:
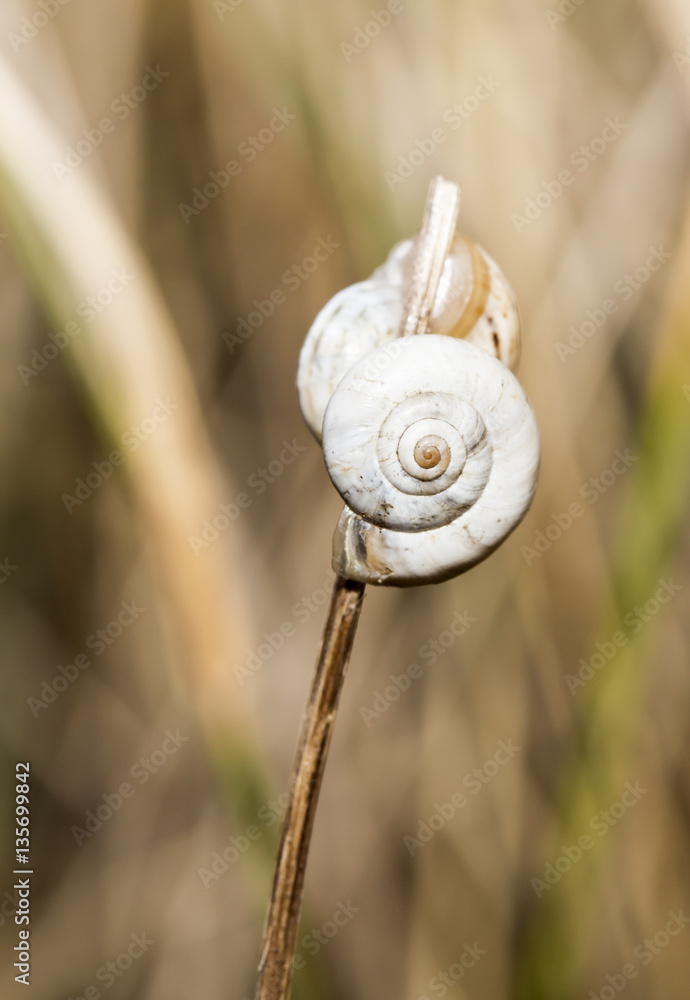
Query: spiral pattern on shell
[[434, 448]]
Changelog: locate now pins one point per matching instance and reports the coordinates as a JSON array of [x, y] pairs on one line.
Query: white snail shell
[[349, 326], [434, 447], [474, 302]]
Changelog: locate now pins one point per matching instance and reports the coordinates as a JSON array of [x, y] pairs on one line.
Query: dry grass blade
[[125, 360]]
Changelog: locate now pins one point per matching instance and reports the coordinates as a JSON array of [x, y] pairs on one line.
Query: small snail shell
[[435, 450], [349, 326], [474, 302]]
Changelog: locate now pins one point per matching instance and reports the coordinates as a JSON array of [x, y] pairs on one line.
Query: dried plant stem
[[433, 245], [282, 919]]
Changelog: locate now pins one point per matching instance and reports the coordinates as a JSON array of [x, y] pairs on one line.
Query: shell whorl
[[474, 302], [429, 439], [447, 398]]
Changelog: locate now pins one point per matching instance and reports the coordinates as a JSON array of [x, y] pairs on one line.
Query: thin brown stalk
[[282, 918]]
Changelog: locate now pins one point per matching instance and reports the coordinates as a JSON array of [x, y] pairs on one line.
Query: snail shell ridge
[[435, 450]]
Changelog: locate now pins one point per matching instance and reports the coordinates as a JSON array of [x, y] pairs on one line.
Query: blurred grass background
[[559, 73]]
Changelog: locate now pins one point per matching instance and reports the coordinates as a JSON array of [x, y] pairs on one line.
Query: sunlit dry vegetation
[[182, 187]]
